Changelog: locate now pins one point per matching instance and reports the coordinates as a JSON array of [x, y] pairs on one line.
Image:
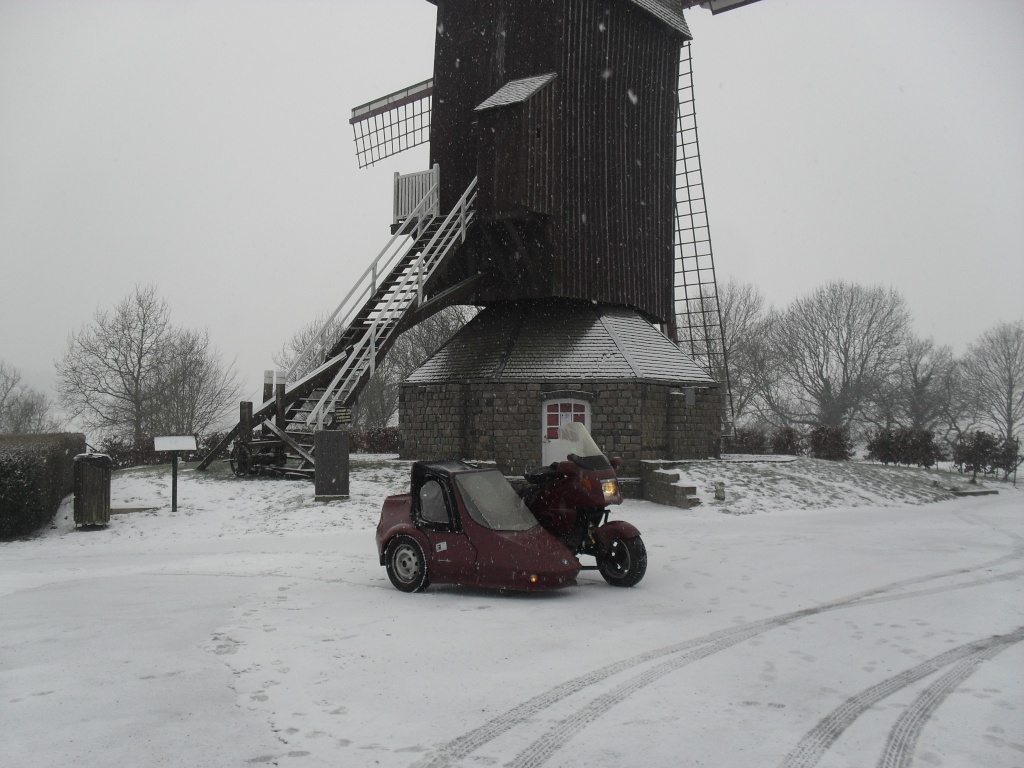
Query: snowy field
[[841, 615]]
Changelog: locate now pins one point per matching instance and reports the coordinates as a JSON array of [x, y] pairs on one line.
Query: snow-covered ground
[[843, 623]]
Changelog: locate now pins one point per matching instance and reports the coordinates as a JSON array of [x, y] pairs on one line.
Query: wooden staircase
[[389, 297]]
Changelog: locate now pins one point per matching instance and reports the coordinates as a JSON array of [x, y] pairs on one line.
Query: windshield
[[573, 438], [492, 502]]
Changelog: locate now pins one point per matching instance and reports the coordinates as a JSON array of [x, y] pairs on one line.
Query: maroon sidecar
[[464, 525]]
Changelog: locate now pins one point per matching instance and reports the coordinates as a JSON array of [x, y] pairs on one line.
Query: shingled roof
[[545, 340], [516, 91], [668, 11]]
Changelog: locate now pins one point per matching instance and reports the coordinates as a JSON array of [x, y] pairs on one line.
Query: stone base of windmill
[[518, 370]]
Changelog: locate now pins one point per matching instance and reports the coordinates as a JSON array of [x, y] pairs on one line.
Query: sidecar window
[[433, 508], [492, 502]]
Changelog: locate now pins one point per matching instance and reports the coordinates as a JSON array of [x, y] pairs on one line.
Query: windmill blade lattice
[[393, 123], [698, 312]]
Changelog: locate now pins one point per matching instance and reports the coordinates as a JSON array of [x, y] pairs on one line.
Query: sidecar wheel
[[624, 562], [406, 565]]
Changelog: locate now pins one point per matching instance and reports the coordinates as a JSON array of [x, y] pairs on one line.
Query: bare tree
[[108, 375], [23, 410], [745, 317], [314, 331], [10, 379], [959, 401], [421, 341], [378, 403], [832, 351], [131, 374], [994, 367], [195, 388], [916, 393]]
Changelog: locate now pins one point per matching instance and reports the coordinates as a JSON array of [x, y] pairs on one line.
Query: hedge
[[36, 473], [374, 440], [784, 441], [981, 452], [832, 443], [904, 445]]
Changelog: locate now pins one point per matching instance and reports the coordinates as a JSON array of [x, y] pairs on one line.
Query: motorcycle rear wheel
[[624, 562]]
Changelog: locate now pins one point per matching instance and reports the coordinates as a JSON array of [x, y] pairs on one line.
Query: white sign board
[[175, 443]]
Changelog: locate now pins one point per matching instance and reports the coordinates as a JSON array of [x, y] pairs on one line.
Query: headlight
[[610, 489]]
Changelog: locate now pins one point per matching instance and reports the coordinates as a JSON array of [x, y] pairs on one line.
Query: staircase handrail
[[427, 262], [370, 287]]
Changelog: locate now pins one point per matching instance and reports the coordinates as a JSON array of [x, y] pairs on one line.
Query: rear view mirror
[[616, 462]]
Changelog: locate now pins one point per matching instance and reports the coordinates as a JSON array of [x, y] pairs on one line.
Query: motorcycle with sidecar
[[463, 524]]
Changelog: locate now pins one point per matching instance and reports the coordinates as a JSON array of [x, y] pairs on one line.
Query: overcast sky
[[204, 146]]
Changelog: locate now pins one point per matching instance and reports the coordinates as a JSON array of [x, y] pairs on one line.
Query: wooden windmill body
[[565, 112]]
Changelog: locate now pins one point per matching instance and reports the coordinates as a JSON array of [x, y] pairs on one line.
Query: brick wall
[[502, 421], [694, 424]]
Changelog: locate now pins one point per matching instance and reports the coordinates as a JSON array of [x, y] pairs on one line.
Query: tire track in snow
[[941, 590], [902, 741], [557, 736], [819, 739]]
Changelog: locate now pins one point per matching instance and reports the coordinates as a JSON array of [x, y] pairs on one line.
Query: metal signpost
[[174, 444]]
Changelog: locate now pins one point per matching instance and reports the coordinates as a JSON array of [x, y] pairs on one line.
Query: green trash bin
[[92, 488]]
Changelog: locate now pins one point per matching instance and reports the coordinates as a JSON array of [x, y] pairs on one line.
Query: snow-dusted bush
[[832, 443], [36, 473], [903, 445], [787, 441], [374, 440], [749, 440], [981, 452]]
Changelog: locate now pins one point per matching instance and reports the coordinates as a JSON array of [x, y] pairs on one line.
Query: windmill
[[565, 183]]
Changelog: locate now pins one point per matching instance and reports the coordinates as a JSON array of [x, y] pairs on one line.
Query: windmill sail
[[393, 123], [698, 312]]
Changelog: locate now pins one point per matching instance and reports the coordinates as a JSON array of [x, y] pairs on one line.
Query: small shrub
[[981, 452], [880, 447], [787, 441], [208, 442], [832, 443], [910, 447], [125, 453], [1007, 457], [374, 440], [750, 440], [975, 452], [922, 450]]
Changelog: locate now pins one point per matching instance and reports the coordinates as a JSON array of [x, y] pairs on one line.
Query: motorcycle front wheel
[[623, 562]]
